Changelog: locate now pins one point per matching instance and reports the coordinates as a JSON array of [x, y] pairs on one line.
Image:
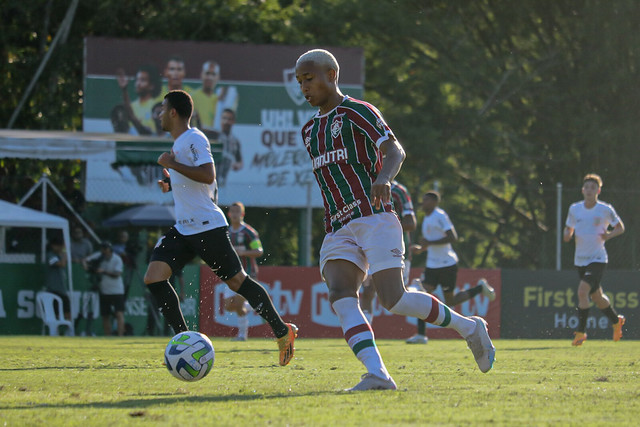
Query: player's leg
[[421, 334], [343, 279], [237, 304], [580, 334], [215, 248], [119, 313], [367, 294], [170, 254], [602, 301]]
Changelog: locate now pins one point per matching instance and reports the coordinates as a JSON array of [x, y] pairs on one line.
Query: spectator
[[56, 278], [81, 247]]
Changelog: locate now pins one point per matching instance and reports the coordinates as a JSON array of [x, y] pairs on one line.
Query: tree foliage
[[494, 101]]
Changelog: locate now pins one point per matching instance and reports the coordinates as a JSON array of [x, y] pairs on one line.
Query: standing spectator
[[56, 277], [111, 286], [81, 247], [246, 242], [590, 221], [123, 248]]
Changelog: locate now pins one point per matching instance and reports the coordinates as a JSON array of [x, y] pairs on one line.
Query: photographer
[[108, 267]]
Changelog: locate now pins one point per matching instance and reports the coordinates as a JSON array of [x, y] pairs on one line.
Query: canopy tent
[[12, 215], [143, 216]]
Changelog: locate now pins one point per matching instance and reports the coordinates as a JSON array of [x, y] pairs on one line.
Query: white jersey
[[112, 285], [195, 202], [589, 224], [434, 227]]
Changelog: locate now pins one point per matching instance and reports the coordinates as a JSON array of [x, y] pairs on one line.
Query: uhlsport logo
[[292, 86]]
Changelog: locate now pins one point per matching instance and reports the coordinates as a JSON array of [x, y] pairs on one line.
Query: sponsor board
[[301, 297]]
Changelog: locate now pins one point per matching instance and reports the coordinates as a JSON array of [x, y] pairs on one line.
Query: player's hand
[[165, 185], [122, 79], [167, 159], [380, 192]]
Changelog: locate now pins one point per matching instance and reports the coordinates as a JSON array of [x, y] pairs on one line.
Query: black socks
[[259, 299], [169, 304]]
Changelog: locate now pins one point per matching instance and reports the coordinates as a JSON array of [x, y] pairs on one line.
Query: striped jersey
[[344, 148], [246, 237], [403, 206]]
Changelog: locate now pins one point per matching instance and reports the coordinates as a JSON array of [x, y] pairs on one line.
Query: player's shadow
[[188, 399]]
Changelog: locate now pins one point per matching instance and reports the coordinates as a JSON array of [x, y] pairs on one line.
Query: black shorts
[[110, 304], [212, 246], [445, 277], [592, 274]]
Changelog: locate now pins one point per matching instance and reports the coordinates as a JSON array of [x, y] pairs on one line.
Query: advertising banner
[[542, 304], [246, 99], [302, 298]]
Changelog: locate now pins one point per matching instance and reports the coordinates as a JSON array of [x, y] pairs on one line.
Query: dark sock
[[474, 291], [611, 314], [168, 303], [463, 296], [260, 301], [421, 327], [583, 314]]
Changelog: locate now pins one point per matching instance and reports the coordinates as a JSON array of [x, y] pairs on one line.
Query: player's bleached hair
[[593, 177], [320, 57]]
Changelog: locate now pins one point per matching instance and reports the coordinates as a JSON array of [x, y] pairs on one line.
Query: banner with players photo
[[246, 99]]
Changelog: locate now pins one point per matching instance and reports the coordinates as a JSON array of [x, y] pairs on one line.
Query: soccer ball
[[189, 356]]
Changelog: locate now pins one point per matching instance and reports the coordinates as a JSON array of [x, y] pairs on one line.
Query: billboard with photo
[[246, 99]]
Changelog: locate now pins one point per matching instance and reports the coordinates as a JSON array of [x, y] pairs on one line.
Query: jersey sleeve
[[614, 219], [571, 217], [200, 150], [370, 122], [253, 238], [444, 222]]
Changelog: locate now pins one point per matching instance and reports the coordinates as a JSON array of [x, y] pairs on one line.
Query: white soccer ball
[[189, 356]]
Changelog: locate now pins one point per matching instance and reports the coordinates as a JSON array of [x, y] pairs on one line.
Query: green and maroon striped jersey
[[343, 146], [247, 238], [403, 205]]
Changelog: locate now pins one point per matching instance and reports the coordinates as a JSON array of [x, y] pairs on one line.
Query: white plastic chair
[[51, 317]]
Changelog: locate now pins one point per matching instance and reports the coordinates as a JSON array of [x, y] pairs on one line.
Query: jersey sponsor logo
[[396, 253], [194, 153], [334, 156], [336, 125], [346, 211]]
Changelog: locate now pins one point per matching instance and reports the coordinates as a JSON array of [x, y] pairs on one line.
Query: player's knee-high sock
[[422, 327], [611, 314], [463, 296], [359, 336], [583, 314], [427, 307], [259, 299], [168, 303]]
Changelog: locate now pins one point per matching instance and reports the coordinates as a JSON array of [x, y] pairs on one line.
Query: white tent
[[12, 215]]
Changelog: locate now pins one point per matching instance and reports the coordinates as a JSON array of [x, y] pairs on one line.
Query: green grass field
[[121, 381]]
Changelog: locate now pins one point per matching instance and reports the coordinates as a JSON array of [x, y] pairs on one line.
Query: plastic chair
[[51, 317]]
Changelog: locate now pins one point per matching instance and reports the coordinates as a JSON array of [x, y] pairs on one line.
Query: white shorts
[[373, 243]]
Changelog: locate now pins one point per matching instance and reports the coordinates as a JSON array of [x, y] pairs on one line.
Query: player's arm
[[617, 230], [205, 173], [255, 249], [409, 222], [450, 237], [394, 155], [568, 233]]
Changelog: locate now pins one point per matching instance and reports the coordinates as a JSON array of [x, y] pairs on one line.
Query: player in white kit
[[201, 227], [590, 221]]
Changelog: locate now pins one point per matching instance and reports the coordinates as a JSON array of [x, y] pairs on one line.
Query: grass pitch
[[121, 381]]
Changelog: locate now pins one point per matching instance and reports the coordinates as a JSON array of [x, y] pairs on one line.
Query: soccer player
[[355, 156], [201, 227], [403, 206], [246, 242], [438, 233], [590, 221]]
